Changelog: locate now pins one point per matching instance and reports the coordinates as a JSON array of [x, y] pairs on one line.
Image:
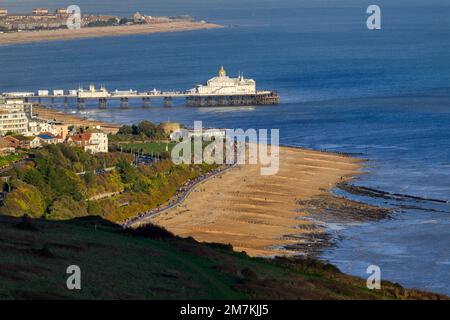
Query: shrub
[[67, 208], [25, 199]]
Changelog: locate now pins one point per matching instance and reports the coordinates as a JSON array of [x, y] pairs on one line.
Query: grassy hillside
[[153, 264]]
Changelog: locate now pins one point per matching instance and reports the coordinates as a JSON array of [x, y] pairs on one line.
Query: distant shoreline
[[96, 32], [73, 119]]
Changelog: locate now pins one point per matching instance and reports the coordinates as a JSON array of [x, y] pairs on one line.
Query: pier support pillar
[[222, 101], [168, 102], [81, 103], [66, 102], [124, 103], [270, 98], [102, 103], [146, 102], [52, 101]]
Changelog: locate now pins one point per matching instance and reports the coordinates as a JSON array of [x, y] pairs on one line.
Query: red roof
[[11, 139], [81, 137]]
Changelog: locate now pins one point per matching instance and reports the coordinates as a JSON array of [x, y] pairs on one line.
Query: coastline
[[270, 215], [109, 31], [75, 120], [284, 214]]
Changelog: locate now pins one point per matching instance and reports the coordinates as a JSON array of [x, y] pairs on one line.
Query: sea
[[383, 95]]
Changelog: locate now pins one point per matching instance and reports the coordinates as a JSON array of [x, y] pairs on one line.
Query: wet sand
[[94, 32], [262, 215]]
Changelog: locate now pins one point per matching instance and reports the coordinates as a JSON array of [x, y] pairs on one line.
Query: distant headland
[[43, 25]]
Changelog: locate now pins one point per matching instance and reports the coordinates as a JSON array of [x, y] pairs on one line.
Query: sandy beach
[[261, 215], [94, 32], [75, 120]]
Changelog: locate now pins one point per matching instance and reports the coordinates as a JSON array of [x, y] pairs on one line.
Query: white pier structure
[[218, 91]]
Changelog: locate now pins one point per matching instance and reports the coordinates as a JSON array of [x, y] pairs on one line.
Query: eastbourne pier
[[218, 91]]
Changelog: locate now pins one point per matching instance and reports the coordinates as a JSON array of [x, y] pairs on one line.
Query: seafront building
[[225, 91], [26, 131], [6, 147], [42, 18], [14, 122], [17, 105], [40, 11], [207, 134], [48, 138], [94, 141], [93, 92], [170, 127], [13, 117], [46, 19], [222, 84], [28, 142]]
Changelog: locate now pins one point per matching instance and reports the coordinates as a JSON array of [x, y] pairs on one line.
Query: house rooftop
[[22, 138], [81, 137], [46, 136]]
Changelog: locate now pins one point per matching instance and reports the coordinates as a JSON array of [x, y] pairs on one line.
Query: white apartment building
[[14, 116], [13, 121], [98, 142], [95, 141], [17, 105], [37, 126]]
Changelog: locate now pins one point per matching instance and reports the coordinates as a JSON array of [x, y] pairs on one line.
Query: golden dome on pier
[[222, 72]]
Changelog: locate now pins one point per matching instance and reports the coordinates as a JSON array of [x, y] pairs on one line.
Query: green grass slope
[[153, 264]]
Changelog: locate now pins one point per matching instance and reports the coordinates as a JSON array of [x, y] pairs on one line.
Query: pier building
[[221, 90]]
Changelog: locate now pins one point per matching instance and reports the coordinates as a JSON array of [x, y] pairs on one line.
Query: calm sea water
[[384, 95]]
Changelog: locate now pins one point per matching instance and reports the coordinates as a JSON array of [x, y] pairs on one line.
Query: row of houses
[[36, 11], [20, 129], [94, 142], [42, 18], [16, 117]]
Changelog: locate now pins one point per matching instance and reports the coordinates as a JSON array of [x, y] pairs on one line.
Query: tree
[[126, 130], [67, 208], [127, 173], [147, 128], [90, 178], [65, 183], [24, 199]]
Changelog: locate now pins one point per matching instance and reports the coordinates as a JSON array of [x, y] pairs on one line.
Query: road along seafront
[[178, 199]]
